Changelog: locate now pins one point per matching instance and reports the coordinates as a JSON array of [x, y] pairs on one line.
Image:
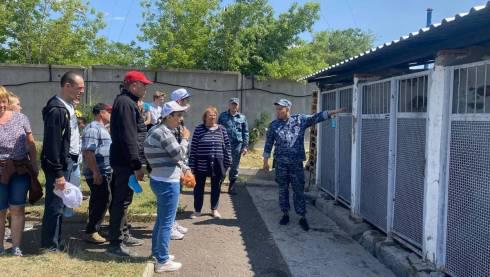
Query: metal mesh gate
[[345, 145], [468, 188], [410, 159], [375, 127], [327, 170]]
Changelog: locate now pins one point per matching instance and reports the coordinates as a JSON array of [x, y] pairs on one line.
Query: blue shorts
[[15, 193]]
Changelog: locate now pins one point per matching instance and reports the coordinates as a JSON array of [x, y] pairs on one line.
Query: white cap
[[172, 106], [71, 195], [179, 94]]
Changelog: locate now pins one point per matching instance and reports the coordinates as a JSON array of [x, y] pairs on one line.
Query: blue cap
[[234, 100], [283, 102], [179, 94]]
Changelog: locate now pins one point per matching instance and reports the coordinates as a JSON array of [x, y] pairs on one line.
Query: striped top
[[165, 155], [209, 144], [96, 138]]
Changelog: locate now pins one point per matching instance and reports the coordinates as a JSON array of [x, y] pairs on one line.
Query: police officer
[[237, 128], [287, 133]]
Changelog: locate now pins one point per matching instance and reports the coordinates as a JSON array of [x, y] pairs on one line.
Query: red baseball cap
[[134, 76]]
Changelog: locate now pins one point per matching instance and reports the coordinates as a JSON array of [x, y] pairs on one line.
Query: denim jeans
[[236, 154], [53, 211], [15, 192], [167, 195], [74, 180]]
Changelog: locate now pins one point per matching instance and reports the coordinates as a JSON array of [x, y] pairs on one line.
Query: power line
[[110, 25], [125, 20]]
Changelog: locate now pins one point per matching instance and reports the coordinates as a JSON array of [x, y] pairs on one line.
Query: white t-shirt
[[75, 134], [155, 113]]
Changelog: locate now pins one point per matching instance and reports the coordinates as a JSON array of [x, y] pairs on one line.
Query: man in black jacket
[[126, 127], [60, 152]]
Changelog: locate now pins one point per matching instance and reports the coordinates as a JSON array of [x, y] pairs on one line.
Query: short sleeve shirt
[[96, 138], [13, 136]]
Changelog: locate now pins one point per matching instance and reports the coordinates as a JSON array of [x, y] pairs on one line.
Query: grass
[[253, 159], [83, 263]]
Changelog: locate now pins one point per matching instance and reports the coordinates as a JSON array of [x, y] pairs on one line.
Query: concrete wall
[[35, 84]]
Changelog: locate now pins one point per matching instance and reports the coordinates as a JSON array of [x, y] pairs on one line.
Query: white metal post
[[356, 148], [336, 149], [392, 156], [436, 161]]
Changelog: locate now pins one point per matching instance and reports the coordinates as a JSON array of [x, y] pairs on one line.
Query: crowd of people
[[129, 139]]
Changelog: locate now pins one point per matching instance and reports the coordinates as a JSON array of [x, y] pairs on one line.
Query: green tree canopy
[[57, 32]]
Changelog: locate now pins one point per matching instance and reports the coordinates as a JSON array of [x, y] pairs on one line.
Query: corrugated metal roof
[[434, 28]]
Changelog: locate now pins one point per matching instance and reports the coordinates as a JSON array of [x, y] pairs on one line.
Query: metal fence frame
[[375, 113], [399, 236], [458, 117], [321, 145], [321, 166]]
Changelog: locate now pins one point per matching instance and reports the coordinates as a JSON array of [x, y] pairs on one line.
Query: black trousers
[[216, 181], [100, 198], [122, 197]]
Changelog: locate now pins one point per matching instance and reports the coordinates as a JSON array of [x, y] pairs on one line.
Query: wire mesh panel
[[375, 128], [327, 182], [409, 183], [345, 145], [410, 159], [468, 190]]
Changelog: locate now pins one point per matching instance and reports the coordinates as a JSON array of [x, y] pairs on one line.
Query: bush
[[259, 130]]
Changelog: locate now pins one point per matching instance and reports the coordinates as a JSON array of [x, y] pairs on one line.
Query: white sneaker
[[170, 258], [167, 266], [216, 214], [176, 235], [180, 228], [195, 215]]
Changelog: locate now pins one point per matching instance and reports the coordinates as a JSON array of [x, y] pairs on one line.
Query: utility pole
[[427, 24]]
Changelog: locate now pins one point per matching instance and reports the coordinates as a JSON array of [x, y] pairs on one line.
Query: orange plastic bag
[[188, 179]]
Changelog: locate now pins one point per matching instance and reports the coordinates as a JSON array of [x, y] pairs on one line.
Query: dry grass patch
[[62, 264]]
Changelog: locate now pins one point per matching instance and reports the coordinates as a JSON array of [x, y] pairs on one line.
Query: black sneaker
[[304, 224], [119, 251], [132, 241], [230, 187], [284, 220]]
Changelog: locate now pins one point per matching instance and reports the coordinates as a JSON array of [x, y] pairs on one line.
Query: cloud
[[118, 18]]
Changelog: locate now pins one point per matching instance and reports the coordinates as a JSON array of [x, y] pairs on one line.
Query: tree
[[59, 32], [178, 31], [326, 48], [244, 36]]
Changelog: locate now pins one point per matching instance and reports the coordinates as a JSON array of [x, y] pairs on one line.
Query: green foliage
[[178, 31], [245, 36], [326, 48], [58, 32], [259, 130]]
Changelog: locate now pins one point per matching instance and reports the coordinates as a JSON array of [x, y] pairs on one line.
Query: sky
[[386, 19]]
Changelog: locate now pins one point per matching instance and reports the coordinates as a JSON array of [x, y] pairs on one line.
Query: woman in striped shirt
[[210, 156], [166, 157]]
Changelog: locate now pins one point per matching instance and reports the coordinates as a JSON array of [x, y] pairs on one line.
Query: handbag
[[22, 167]]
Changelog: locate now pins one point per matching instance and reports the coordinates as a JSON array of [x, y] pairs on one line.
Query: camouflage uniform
[[288, 138], [237, 129]]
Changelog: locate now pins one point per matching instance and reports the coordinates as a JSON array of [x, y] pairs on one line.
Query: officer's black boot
[[284, 220], [304, 224], [230, 187]]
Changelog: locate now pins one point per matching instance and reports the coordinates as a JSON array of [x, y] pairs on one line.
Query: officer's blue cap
[[283, 102], [234, 100]]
